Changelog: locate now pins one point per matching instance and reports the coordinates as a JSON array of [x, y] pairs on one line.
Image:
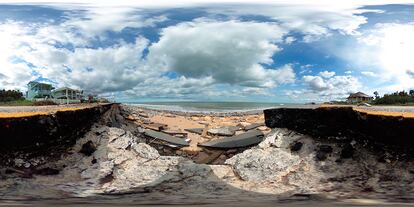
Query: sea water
[[211, 106]]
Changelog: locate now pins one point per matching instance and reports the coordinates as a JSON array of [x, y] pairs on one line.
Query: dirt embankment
[[38, 133], [375, 130]]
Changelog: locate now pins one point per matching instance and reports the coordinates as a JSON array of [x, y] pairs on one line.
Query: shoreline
[[115, 157]]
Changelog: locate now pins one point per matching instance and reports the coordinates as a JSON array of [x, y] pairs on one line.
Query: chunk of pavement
[[296, 146], [88, 148], [166, 137], [253, 126], [124, 141], [241, 140], [145, 151], [264, 164], [195, 130], [156, 126], [175, 133], [222, 131]]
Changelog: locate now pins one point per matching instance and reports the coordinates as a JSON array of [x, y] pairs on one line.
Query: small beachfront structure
[[37, 90], [359, 97]]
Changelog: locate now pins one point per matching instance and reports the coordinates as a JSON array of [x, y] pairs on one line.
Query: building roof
[[359, 95], [66, 88], [38, 83]]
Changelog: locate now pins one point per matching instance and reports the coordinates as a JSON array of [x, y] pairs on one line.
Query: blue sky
[[270, 52]]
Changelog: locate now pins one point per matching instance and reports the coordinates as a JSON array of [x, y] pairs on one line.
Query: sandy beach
[[173, 122]]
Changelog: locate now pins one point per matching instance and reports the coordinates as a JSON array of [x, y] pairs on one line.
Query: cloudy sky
[[193, 50]]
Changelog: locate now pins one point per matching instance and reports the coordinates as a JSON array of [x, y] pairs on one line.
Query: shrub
[[10, 95], [44, 103]]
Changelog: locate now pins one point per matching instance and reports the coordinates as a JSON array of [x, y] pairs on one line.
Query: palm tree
[[376, 94]]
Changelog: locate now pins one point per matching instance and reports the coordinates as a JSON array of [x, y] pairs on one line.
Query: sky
[[261, 51]]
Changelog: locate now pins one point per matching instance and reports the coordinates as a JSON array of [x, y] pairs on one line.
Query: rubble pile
[[122, 160]]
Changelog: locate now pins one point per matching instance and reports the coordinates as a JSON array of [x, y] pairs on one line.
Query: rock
[[325, 148], [123, 141], [323, 152], [261, 165], [98, 171], [321, 155], [222, 131], [296, 146], [88, 148], [46, 171], [114, 133], [347, 151], [19, 162], [145, 151]]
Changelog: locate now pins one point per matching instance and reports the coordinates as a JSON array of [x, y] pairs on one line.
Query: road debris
[[242, 140]]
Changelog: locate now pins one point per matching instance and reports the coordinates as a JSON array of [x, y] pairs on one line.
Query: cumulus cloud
[[203, 64], [388, 47], [94, 21], [327, 74], [333, 87], [230, 52], [314, 21], [14, 74], [209, 57]]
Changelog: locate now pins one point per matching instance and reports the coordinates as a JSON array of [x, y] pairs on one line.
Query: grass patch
[[17, 103]]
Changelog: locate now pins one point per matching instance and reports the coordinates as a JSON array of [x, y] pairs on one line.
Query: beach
[[145, 156]]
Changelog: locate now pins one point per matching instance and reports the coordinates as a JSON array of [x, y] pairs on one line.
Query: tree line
[[398, 97], [10, 95]]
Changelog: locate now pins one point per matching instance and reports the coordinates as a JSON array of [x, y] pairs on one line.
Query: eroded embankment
[[375, 130], [114, 161], [37, 133]]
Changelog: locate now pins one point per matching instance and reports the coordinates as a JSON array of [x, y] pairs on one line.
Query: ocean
[[211, 106]]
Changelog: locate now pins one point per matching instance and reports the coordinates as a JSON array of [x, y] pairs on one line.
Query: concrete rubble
[[126, 162]]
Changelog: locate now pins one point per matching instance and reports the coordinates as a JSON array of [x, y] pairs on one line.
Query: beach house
[[37, 90], [67, 95], [359, 97]]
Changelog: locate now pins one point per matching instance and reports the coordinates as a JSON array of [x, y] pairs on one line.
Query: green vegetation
[[22, 102], [10, 95], [396, 98], [13, 98]]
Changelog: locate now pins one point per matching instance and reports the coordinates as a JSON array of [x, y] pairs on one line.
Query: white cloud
[[410, 73], [312, 20], [389, 47], [115, 68], [230, 52], [327, 74], [97, 20], [233, 61], [369, 74], [348, 72], [14, 74], [289, 40], [333, 87]]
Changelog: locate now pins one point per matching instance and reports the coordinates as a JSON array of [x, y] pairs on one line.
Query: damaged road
[[285, 165]]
